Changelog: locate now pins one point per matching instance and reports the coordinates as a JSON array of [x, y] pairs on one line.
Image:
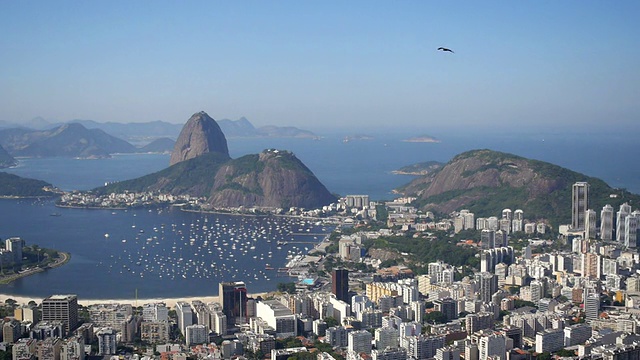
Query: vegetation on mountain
[[272, 178], [194, 177], [486, 181], [16, 186], [68, 140], [440, 247]]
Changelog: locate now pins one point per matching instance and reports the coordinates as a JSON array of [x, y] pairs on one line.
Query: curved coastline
[[63, 259], [170, 302]]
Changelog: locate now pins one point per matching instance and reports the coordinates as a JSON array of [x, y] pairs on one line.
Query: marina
[[165, 252]]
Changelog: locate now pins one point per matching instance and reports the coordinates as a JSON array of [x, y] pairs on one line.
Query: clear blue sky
[[323, 63]]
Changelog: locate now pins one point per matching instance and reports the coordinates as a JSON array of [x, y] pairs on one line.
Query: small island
[[421, 168], [19, 260], [422, 139], [357, 137]]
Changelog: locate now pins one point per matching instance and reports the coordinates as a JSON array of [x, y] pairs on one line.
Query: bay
[[106, 268]]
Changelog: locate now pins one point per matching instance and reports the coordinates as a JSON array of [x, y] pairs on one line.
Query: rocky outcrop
[[272, 178], [200, 135]]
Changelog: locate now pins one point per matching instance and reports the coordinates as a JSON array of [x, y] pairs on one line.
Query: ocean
[[178, 254]]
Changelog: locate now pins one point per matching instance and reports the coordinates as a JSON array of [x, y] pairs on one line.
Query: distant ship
[[55, 214]]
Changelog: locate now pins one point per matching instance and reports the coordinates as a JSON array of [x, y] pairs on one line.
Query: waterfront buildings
[[233, 297], [61, 308]]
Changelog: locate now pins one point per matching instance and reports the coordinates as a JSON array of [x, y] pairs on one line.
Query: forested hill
[[16, 186], [486, 181]]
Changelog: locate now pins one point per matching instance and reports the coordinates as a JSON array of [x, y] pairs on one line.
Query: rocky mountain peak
[[200, 135]]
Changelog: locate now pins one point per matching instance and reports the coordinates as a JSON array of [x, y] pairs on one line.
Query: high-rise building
[[359, 341], [491, 345], [107, 344], [14, 245], [389, 354], [233, 296], [487, 285], [386, 337], [631, 226], [447, 307], [185, 316], [590, 224], [448, 353], [591, 306], [423, 346], [72, 348], [549, 340], [621, 215], [606, 223], [579, 205], [61, 308], [196, 334], [340, 284]]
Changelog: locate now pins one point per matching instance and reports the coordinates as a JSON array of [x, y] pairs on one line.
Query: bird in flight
[[445, 49]]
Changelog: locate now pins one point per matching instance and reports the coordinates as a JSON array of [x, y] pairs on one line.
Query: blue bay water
[[177, 262]]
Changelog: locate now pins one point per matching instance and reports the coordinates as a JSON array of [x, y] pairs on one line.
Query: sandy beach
[[170, 302]]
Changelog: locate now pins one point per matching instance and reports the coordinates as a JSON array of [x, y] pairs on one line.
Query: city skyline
[[322, 65]]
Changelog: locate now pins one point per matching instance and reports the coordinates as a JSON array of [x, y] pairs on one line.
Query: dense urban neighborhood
[[390, 282]]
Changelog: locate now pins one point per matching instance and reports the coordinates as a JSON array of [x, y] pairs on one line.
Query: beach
[[170, 302]]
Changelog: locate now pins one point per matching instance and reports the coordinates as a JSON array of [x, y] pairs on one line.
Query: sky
[[324, 64]]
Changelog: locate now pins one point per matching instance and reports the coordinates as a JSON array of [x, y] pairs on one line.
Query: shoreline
[[170, 302], [62, 260]]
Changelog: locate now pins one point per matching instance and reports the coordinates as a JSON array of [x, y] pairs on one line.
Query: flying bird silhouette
[[445, 49]]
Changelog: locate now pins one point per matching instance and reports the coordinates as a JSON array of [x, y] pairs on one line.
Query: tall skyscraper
[[579, 205], [621, 215], [233, 297], [61, 308], [487, 284], [606, 223], [590, 224], [592, 307], [631, 226], [340, 284], [185, 316]]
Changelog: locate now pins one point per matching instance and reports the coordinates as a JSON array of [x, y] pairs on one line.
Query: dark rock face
[[271, 179], [201, 134]]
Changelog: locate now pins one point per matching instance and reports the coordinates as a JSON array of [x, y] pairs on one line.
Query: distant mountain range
[[68, 140], [144, 131]]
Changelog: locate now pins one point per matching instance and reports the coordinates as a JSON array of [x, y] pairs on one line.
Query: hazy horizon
[[362, 64]]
